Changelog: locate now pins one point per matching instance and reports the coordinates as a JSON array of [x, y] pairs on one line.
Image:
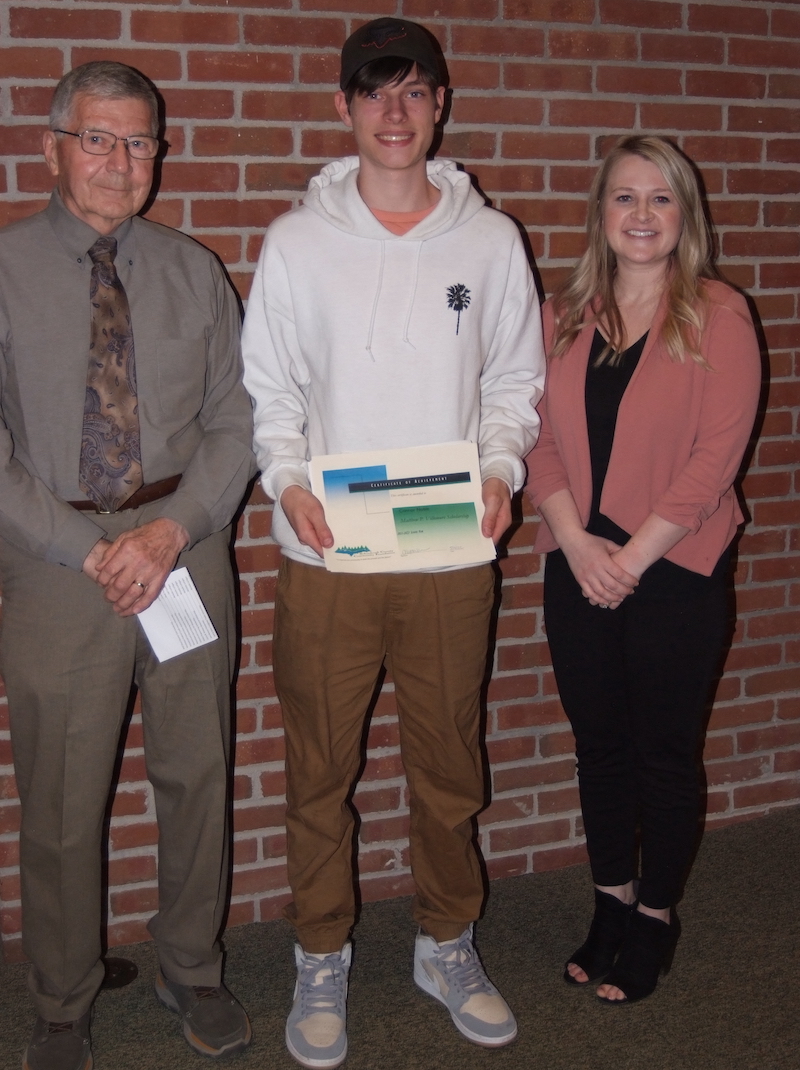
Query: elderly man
[[116, 466]]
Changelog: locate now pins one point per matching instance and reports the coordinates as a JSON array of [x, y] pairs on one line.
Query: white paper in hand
[[177, 621]]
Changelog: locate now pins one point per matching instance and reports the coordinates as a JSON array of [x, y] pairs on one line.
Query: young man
[[392, 309]]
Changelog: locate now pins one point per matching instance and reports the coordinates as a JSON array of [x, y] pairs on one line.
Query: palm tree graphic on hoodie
[[458, 299]]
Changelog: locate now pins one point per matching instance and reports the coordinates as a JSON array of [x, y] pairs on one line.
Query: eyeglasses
[[101, 143]]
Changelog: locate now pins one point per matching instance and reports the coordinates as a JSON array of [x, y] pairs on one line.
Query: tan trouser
[[332, 634], [68, 663]]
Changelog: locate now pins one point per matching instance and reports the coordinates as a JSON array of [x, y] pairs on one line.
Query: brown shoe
[[59, 1046]]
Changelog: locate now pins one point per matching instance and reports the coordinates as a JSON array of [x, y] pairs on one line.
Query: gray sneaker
[[59, 1045], [452, 973], [316, 1029], [213, 1022]]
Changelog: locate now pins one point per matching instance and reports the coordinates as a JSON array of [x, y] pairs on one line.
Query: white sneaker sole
[[427, 984], [315, 1064]]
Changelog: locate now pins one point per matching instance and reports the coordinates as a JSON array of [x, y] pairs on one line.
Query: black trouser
[[634, 683]]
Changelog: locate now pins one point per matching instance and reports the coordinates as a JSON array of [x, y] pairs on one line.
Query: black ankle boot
[[645, 953], [609, 925]]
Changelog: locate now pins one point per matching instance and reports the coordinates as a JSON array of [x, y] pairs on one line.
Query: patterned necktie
[[111, 463]]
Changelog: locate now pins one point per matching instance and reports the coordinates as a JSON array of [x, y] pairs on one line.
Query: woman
[[653, 381]]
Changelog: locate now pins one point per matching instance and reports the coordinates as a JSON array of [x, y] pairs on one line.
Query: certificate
[[403, 510]]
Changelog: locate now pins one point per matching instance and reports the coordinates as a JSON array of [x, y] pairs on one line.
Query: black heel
[[646, 952], [606, 934]]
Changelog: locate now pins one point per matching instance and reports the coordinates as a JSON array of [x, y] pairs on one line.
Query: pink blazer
[[680, 435]]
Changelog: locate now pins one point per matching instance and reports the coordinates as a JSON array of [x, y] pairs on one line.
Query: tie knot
[[103, 251]]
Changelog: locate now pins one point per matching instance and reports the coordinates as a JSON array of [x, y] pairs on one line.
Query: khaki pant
[[332, 634], [68, 663]]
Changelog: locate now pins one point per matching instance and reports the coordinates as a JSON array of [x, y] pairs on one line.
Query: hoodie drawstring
[[375, 301], [406, 339]]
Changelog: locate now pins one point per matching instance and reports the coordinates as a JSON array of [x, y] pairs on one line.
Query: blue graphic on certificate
[[403, 509]]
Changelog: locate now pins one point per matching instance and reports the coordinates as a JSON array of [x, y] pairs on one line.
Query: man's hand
[[91, 564], [306, 515], [134, 567], [497, 503]]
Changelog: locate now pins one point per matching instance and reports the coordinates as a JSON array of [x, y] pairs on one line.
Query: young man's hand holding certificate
[[403, 509]]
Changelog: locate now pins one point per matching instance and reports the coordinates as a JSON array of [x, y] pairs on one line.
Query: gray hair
[[102, 78]]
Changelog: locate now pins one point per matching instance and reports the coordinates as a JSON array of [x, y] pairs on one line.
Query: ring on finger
[[602, 605], [138, 583]]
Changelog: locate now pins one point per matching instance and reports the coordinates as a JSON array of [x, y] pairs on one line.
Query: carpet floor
[[730, 1002]]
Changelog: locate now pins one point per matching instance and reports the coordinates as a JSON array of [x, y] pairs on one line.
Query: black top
[[605, 386]]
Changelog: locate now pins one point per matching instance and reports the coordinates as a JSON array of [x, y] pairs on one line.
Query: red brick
[[655, 14], [727, 19], [549, 10], [21, 62], [469, 145], [716, 747], [736, 770], [789, 708], [644, 81], [501, 111], [558, 858], [777, 452], [240, 67], [168, 212], [291, 107], [137, 869], [682, 48], [376, 888], [327, 144], [775, 791], [298, 33], [764, 120], [783, 150], [768, 739], [723, 149], [532, 834], [761, 244], [128, 803], [681, 116], [198, 103], [21, 140], [258, 879], [751, 53], [81, 24], [766, 683], [784, 86], [497, 41], [160, 64], [734, 213], [546, 146], [766, 485], [129, 837], [461, 9], [763, 181], [727, 84], [247, 818], [782, 213], [543, 77], [606, 113], [592, 45], [30, 99], [241, 141], [201, 177], [185, 27], [747, 713], [134, 901], [320, 68], [376, 7], [787, 761]]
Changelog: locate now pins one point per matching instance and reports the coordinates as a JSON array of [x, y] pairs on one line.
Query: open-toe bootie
[[609, 926], [646, 952]]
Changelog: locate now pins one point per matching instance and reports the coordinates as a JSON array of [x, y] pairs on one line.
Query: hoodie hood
[[333, 195]]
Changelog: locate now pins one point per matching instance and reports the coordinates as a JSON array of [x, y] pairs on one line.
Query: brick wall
[[539, 85]]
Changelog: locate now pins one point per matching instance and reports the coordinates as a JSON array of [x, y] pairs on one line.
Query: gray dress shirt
[[195, 417]]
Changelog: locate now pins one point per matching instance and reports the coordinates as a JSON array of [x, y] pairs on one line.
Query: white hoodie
[[357, 339]]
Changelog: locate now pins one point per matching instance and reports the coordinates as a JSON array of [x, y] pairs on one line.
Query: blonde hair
[[592, 280]]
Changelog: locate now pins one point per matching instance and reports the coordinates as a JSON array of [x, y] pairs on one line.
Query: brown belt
[[150, 492]]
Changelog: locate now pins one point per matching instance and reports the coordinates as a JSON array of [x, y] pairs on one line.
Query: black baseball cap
[[389, 37]]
